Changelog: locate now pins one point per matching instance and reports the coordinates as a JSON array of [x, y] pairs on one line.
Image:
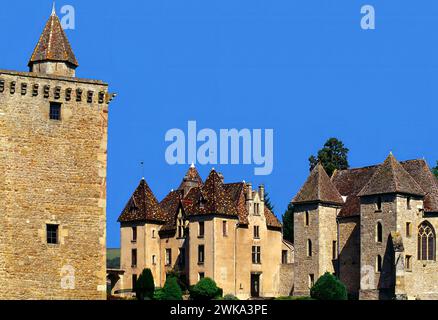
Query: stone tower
[[316, 208], [389, 214], [53, 151]]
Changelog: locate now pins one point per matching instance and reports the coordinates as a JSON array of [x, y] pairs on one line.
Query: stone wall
[[349, 254], [52, 172]]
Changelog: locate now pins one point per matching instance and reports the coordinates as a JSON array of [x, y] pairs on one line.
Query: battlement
[[54, 87]]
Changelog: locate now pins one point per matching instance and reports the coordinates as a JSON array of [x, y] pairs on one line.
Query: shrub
[[230, 297], [171, 289], [145, 287], [205, 289], [328, 287], [159, 294], [180, 277]]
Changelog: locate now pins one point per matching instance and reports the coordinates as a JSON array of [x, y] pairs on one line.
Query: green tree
[[205, 289], [145, 287], [171, 289], [328, 287], [332, 156], [268, 202], [288, 223], [435, 170]]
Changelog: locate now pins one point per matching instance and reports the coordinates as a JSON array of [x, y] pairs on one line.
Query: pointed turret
[[143, 206], [53, 53], [190, 180], [389, 178], [318, 188]]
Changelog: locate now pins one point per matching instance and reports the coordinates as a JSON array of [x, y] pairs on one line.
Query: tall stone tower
[[316, 207], [390, 208], [53, 160]]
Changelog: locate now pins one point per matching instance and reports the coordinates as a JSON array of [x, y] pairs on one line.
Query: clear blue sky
[[304, 68]]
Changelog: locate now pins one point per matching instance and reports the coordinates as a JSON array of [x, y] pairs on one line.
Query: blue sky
[[303, 68]]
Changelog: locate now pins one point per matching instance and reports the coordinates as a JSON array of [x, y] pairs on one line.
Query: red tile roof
[[53, 44], [143, 206], [318, 188]]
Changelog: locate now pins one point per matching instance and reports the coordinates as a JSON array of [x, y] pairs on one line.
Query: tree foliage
[[328, 287], [205, 289], [171, 289], [288, 223], [145, 287], [333, 156], [435, 170], [268, 202]]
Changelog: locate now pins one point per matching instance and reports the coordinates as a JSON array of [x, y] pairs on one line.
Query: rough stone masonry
[[53, 160]]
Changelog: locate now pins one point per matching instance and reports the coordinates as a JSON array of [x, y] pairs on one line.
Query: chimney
[[249, 193], [262, 193]]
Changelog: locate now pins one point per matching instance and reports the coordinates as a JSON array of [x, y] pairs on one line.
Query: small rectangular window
[[201, 229], [134, 281], [55, 111], [134, 258], [284, 257], [408, 203], [201, 254], [256, 254], [168, 257], [334, 250], [409, 263], [201, 275], [134, 234], [154, 259], [224, 228], [307, 219], [52, 233], [311, 280], [256, 232], [408, 229]]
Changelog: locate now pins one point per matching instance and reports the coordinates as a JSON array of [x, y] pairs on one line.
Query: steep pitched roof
[[53, 44], [318, 188], [211, 198], [349, 183], [237, 193], [170, 205], [143, 206], [391, 177], [191, 178], [421, 172], [271, 220]]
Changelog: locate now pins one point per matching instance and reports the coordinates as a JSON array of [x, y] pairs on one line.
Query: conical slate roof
[[391, 177], [53, 44], [143, 206], [318, 188]]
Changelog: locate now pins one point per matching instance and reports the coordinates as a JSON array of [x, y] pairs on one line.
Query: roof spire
[[192, 165], [54, 9]]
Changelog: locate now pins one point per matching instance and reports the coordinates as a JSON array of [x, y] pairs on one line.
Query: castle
[[374, 227], [205, 229], [53, 151]]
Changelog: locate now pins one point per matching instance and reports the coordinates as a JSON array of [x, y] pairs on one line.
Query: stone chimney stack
[[249, 192], [262, 193]]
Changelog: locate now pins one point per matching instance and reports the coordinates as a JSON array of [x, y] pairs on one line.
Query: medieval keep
[[374, 227], [53, 160]]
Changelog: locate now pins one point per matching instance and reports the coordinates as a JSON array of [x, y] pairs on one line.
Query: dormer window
[[180, 225]]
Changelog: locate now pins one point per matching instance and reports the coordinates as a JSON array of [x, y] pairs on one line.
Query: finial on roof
[[171, 190], [212, 169], [54, 9], [390, 152], [192, 165]]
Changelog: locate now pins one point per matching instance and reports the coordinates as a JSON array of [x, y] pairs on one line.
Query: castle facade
[[374, 227]]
